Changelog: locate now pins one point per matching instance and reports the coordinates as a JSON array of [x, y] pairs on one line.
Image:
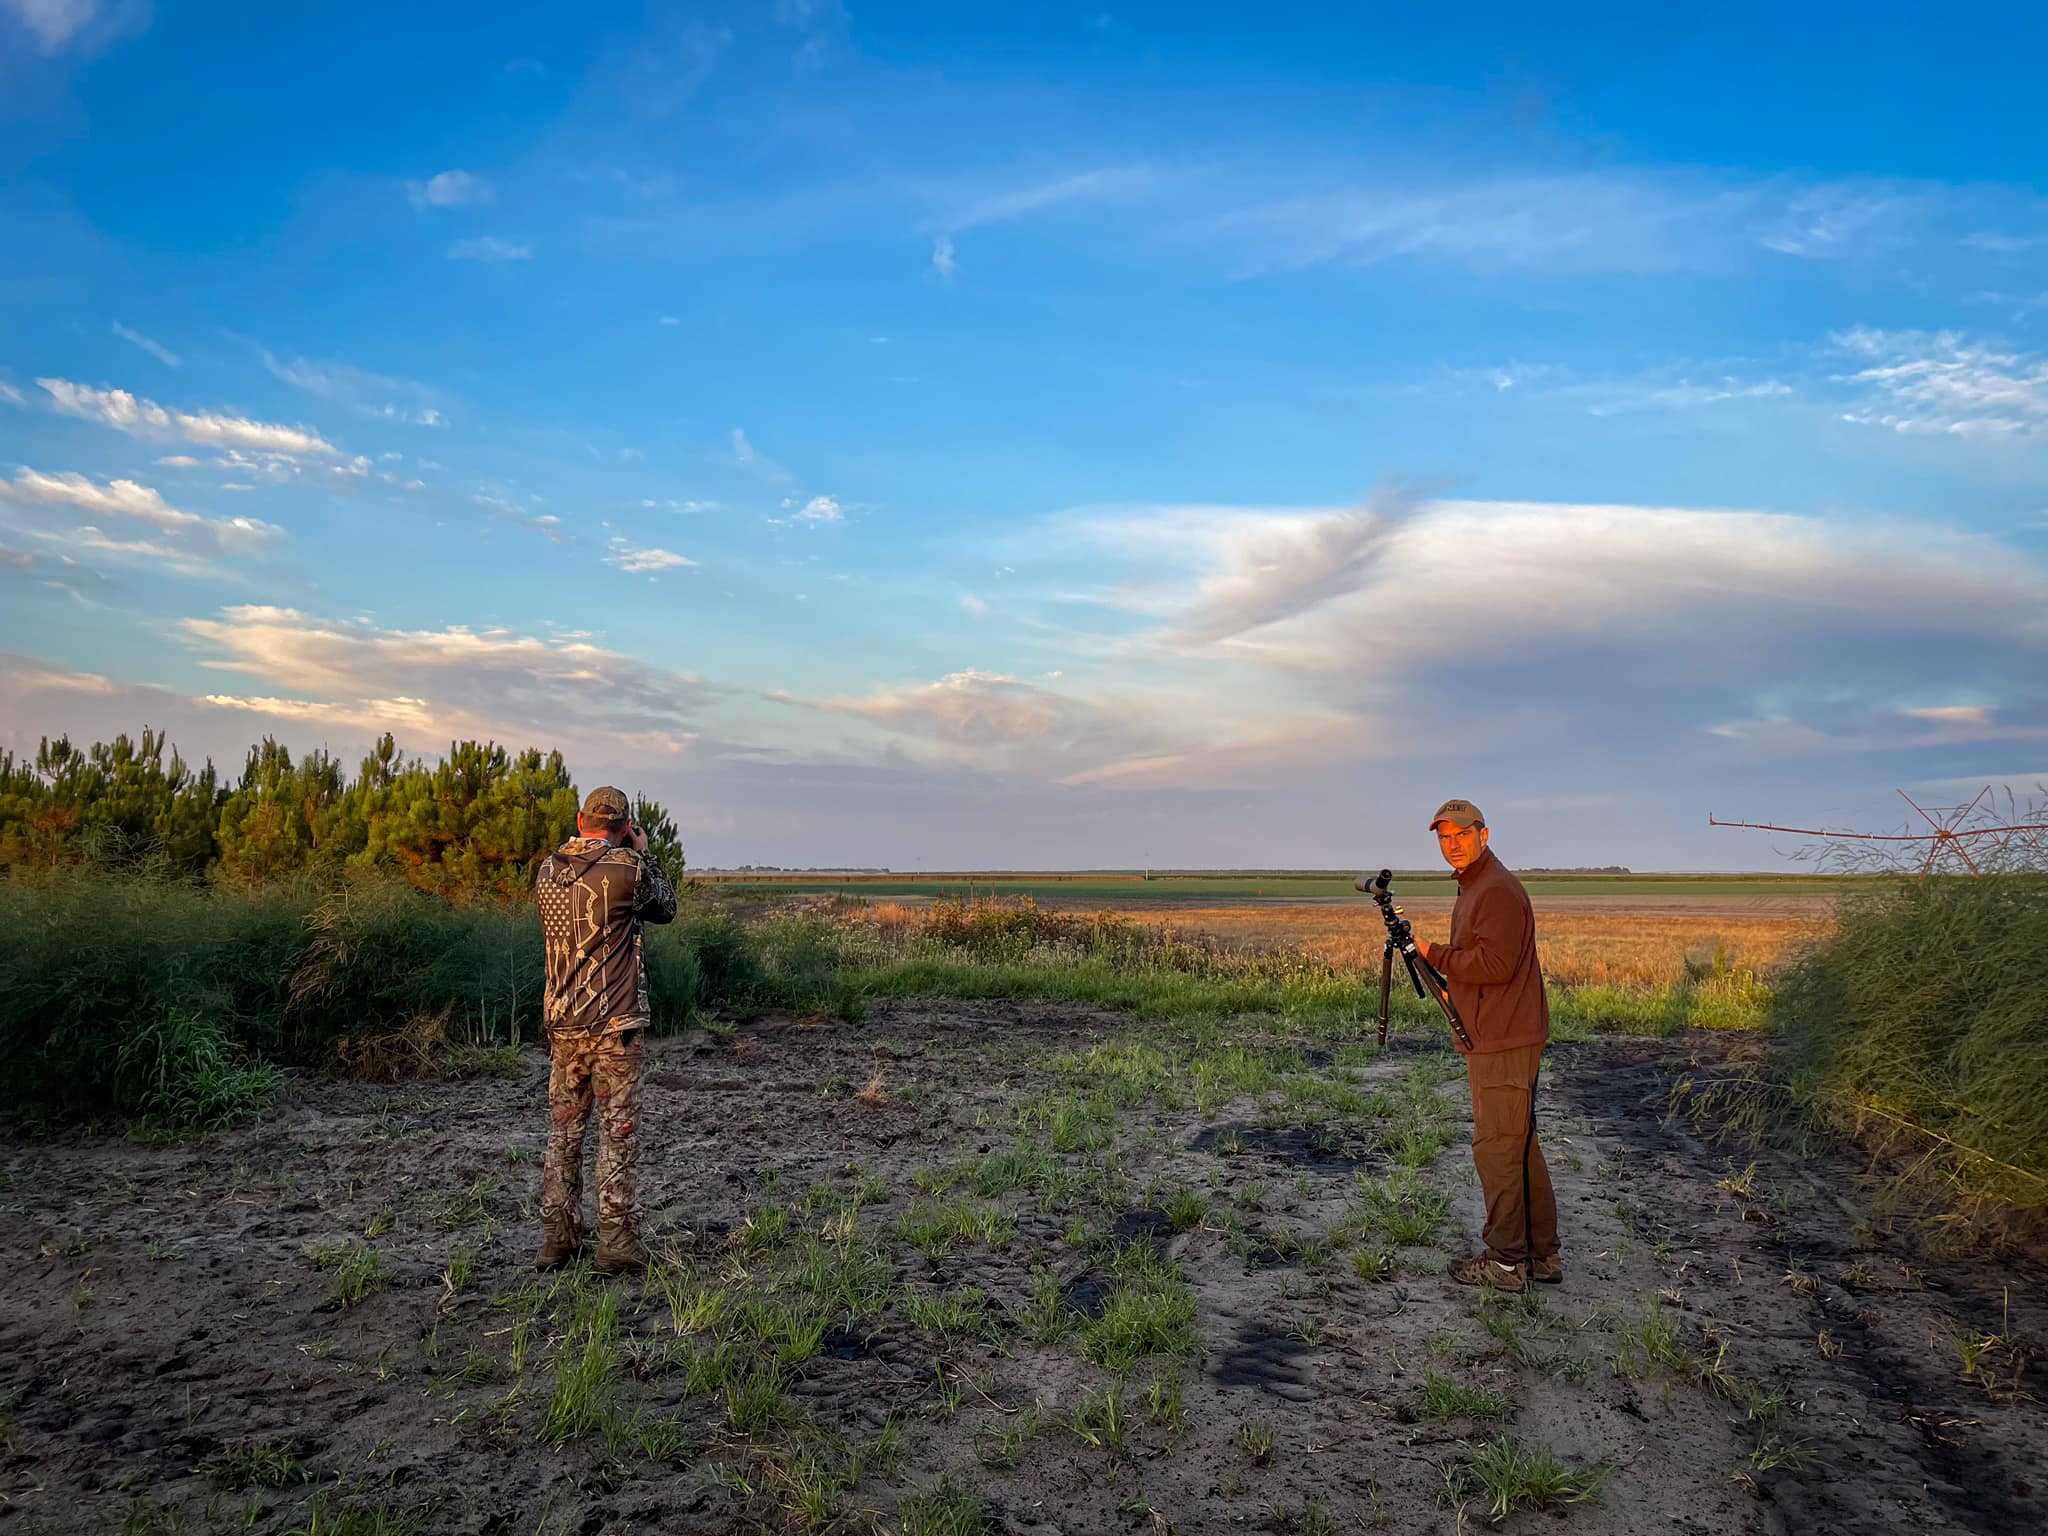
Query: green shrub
[[1924, 1014]]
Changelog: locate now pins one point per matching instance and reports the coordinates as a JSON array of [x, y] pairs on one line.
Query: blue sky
[[902, 435]]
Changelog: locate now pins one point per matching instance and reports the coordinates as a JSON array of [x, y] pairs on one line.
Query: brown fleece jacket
[[1491, 960]]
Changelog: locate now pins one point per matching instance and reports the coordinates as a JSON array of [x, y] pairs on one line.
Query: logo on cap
[[1463, 812]]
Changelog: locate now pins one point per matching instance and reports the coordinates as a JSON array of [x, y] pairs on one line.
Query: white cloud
[[156, 350], [178, 461], [669, 320], [489, 248], [431, 685], [821, 509], [124, 498], [942, 257], [449, 189], [12, 395], [1944, 382], [741, 448], [974, 606], [1331, 591], [638, 561], [141, 503], [142, 417]]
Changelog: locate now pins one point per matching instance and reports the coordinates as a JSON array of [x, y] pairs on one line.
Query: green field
[[1235, 886]]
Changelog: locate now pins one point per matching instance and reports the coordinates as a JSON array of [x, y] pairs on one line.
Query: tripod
[[1429, 981]]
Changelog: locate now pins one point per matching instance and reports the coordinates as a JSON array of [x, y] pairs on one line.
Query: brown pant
[[1521, 1210]]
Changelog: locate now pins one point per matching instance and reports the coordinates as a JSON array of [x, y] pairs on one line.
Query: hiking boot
[[620, 1253], [1480, 1270], [1548, 1271], [559, 1243]]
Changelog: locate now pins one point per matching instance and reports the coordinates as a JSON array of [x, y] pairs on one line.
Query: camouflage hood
[[570, 862]]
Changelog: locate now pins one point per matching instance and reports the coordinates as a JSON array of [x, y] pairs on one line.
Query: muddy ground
[[196, 1338]]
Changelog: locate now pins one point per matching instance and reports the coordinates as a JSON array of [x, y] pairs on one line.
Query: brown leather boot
[[1549, 1271], [619, 1252], [559, 1243]]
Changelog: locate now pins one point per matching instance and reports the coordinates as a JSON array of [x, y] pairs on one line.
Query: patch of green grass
[[1255, 1439], [1185, 1209], [936, 1227], [585, 1366], [1655, 1339], [1047, 1317], [958, 1314], [695, 1305], [1100, 1419], [1150, 1310], [468, 1209], [1507, 1475], [256, 1464], [999, 1444], [944, 1510], [755, 1402], [1022, 1167], [348, 1514], [1443, 1398], [358, 1275]]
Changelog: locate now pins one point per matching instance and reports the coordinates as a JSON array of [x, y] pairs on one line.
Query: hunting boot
[[559, 1243], [619, 1252]]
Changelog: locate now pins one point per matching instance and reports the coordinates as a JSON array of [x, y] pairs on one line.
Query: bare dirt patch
[[1173, 1284]]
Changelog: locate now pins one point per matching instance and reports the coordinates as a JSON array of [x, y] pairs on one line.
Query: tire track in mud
[[1898, 1432]]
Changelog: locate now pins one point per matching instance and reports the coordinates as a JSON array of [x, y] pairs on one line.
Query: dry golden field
[[1583, 940]]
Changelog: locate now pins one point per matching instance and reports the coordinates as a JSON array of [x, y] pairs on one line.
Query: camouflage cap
[[1463, 812], [607, 804]]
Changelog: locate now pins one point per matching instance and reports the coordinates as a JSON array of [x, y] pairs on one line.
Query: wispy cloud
[[157, 350], [745, 453], [143, 417], [942, 257], [377, 395], [489, 248], [449, 189], [1944, 382], [546, 524], [638, 561], [57, 24]]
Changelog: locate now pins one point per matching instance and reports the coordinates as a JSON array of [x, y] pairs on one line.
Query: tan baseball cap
[[1463, 812], [607, 804]]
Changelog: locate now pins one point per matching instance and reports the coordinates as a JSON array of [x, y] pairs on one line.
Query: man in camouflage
[[594, 893]]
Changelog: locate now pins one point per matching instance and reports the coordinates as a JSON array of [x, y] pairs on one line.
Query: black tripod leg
[[1386, 988]]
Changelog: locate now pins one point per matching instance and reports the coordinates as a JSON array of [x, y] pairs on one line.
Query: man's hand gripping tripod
[[1429, 981]]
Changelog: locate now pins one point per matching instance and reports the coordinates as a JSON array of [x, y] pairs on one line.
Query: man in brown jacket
[[1490, 963]]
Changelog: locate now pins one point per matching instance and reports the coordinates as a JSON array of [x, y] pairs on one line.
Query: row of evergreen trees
[[474, 821]]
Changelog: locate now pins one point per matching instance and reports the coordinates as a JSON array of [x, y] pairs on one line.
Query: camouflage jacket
[[593, 899]]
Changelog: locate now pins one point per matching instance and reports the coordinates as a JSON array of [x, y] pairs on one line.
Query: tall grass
[[162, 1000], [1924, 1017]]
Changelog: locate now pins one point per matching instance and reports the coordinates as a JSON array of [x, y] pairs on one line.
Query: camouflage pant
[[604, 1068]]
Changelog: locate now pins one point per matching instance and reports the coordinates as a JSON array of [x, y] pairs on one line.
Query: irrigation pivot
[[1952, 832]]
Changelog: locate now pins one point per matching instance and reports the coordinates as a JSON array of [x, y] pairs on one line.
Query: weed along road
[[999, 1266]]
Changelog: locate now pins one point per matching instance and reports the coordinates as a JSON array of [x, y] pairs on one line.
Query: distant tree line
[[473, 822]]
